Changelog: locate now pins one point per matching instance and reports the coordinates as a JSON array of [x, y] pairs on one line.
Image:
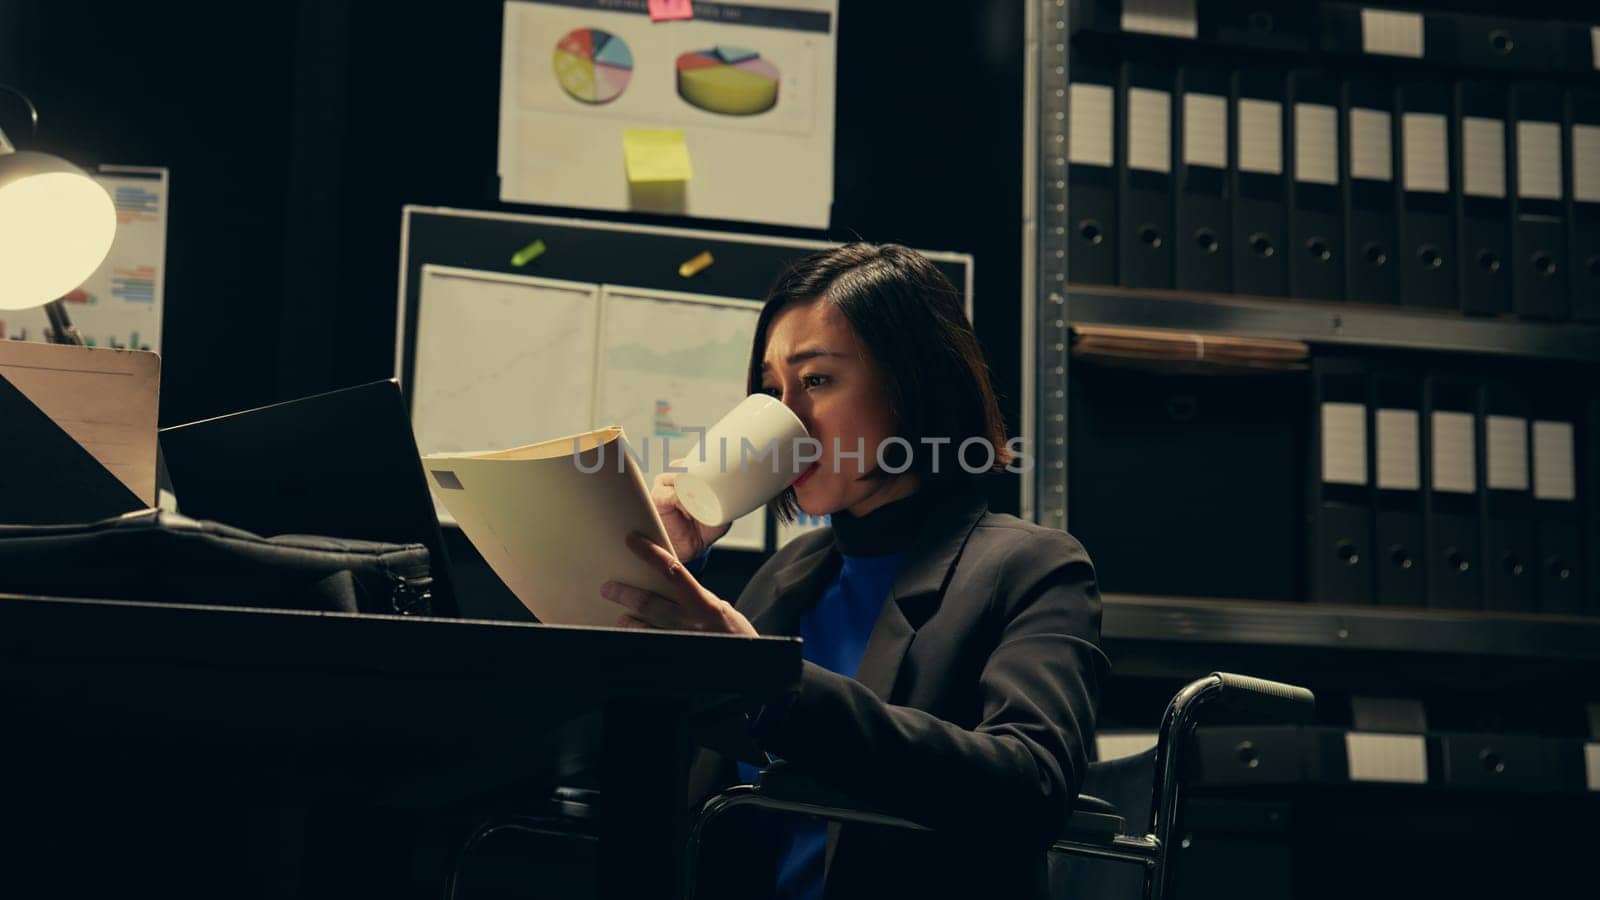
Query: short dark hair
[[913, 324]]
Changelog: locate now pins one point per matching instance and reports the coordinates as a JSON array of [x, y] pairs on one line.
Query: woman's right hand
[[689, 538]]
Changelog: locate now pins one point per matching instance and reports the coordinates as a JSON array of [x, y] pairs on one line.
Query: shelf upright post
[[1045, 373]]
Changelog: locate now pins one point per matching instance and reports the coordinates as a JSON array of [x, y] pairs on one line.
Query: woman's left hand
[[690, 608]]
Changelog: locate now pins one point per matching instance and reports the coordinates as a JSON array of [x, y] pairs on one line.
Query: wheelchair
[[1096, 828]]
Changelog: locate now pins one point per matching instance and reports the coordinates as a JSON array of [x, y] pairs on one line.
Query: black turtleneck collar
[[891, 528]]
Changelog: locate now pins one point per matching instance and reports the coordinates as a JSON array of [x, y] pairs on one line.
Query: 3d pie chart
[[593, 66], [728, 80]]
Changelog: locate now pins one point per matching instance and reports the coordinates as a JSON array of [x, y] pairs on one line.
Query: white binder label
[[1089, 130], [1205, 130], [1174, 18], [1423, 149], [1344, 443], [1483, 157], [1455, 459], [1316, 143], [1586, 163], [1505, 441], [1391, 33], [1591, 754], [1116, 745], [1261, 136], [1395, 758], [1399, 450], [1539, 160], [1149, 130], [1553, 472], [1370, 145]]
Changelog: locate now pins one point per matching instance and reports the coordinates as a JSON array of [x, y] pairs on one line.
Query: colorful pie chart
[[728, 80], [593, 66]]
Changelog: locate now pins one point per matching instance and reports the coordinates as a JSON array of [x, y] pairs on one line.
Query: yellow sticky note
[[655, 154]]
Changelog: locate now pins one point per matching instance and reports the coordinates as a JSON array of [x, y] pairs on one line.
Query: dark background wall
[[296, 131], [174, 86]]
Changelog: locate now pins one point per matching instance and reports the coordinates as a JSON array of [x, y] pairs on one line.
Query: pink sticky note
[[667, 10]]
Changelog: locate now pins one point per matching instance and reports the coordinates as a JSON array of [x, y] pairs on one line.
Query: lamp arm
[[33, 112], [61, 330]]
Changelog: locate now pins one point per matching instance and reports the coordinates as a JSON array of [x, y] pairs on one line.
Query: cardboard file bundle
[[1185, 349]]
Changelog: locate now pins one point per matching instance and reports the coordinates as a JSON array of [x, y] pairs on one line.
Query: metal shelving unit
[[1052, 304], [1548, 638]]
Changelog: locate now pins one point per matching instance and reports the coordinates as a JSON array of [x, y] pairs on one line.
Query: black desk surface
[[199, 719], [390, 709]]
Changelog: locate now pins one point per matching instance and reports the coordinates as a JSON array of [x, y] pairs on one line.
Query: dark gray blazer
[[970, 712]]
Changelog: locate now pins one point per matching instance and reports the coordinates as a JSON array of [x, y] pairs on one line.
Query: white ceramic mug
[[742, 462]]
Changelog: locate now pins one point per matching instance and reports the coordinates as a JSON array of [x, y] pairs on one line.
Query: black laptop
[[340, 464]]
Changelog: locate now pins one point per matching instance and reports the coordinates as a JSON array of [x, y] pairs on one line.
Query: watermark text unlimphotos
[[893, 456]]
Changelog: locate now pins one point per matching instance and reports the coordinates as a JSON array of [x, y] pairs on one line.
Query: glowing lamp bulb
[[56, 226]]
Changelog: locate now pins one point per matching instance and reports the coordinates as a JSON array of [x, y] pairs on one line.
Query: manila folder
[[552, 520]]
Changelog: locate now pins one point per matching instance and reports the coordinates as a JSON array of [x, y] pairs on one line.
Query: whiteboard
[[501, 360], [591, 252], [583, 254], [669, 361]]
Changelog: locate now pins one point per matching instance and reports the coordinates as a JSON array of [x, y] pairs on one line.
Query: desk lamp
[[56, 226]]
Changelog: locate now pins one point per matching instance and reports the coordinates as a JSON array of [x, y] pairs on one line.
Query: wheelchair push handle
[[1271, 701]]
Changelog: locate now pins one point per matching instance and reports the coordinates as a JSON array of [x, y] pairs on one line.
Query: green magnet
[[528, 254]]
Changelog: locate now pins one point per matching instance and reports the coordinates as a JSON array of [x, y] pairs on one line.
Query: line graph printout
[[670, 360], [501, 360]]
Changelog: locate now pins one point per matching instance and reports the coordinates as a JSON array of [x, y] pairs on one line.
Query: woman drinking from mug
[[952, 662]]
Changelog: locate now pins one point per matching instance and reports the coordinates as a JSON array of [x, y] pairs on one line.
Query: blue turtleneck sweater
[[835, 632]]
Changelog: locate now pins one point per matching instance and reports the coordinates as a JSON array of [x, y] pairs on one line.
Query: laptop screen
[[340, 464]]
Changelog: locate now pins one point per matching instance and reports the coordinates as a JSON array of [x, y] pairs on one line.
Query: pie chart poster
[[751, 86]]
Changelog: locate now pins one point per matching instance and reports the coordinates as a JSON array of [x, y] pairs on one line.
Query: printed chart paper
[[120, 305], [750, 85], [501, 360], [673, 360]]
